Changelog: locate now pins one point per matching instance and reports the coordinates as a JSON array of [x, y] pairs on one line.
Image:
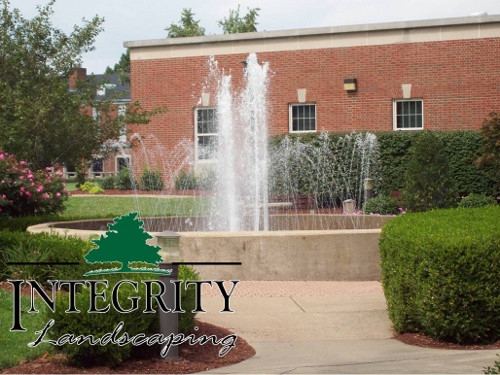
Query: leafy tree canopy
[[41, 120], [235, 23], [122, 67], [187, 26]]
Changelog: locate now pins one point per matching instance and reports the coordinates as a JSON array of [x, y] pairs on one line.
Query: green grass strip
[[15, 344], [110, 206]]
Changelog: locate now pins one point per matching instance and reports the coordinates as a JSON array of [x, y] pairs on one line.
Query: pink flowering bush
[[24, 192]]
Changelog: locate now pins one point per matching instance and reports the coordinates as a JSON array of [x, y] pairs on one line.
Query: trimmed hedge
[[429, 183], [440, 273], [477, 200], [462, 148], [382, 205]]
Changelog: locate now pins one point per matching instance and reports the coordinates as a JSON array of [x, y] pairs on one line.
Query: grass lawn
[[113, 206], [14, 344]]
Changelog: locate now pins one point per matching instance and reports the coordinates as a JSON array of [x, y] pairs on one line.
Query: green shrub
[[186, 181], [151, 180], [24, 192], [91, 188], [477, 200], [495, 369], [135, 322], [42, 247], [207, 180], [382, 205], [8, 240], [440, 274], [188, 300], [108, 182], [429, 183], [462, 148], [125, 180]]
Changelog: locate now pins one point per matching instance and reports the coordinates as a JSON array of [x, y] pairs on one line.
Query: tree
[[124, 242], [187, 26], [122, 67], [236, 24], [490, 157], [42, 121], [429, 183]]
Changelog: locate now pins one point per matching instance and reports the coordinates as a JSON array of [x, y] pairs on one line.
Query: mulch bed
[[418, 339], [194, 358]]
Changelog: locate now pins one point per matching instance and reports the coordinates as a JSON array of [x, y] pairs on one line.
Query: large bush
[[24, 192], [124, 180], [186, 181], [440, 273], [477, 200], [135, 322], [462, 148], [151, 180], [429, 182], [314, 164], [108, 182], [382, 205]]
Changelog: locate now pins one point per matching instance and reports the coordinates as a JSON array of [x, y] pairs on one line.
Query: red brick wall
[[459, 82]]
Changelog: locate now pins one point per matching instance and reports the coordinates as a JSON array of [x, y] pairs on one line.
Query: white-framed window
[[408, 114], [302, 117], [122, 162], [206, 133], [97, 165]]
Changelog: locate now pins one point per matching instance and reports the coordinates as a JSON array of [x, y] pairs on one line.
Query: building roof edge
[[260, 35]]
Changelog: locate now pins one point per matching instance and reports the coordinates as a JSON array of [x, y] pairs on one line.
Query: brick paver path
[[298, 288]]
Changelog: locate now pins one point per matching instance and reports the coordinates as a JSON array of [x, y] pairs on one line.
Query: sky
[[130, 20]]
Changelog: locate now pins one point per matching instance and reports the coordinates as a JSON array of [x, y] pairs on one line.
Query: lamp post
[[169, 322]]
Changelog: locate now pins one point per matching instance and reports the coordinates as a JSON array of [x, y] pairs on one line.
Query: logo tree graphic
[[124, 242]]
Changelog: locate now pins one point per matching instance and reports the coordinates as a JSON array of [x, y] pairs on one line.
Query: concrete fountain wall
[[344, 254]]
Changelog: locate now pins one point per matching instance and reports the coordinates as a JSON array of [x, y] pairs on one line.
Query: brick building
[[433, 74], [114, 88]]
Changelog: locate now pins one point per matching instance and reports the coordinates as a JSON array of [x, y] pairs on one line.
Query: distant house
[[113, 85], [400, 76]]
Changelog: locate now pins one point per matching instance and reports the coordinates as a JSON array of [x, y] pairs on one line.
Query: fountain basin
[[306, 247]]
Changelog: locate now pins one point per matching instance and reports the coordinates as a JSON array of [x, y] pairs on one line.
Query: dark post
[[169, 321], [170, 252]]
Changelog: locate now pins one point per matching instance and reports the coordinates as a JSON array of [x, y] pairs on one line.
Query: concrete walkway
[[326, 327]]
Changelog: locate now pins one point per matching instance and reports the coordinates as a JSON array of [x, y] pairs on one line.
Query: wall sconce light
[[350, 84]]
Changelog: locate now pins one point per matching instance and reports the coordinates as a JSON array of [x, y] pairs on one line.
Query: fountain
[[291, 244], [242, 157]]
